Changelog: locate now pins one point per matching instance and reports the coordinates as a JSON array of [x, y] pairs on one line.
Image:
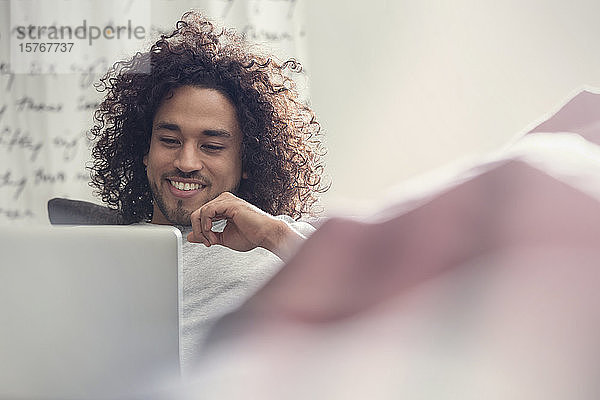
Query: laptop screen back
[[88, 311]]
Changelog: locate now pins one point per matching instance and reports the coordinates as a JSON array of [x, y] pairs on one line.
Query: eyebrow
[[167, 125], [217, 133], [208, 132]]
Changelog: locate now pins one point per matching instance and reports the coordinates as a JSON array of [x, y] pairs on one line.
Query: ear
[[244, 175], [145, 160]]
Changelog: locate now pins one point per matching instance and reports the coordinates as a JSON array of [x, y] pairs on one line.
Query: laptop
[[89, 312]]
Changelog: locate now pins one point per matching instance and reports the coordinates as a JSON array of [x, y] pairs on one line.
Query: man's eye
[[212, 147], [169, 141]]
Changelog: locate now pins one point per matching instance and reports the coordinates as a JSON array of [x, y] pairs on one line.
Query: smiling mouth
[[186, 186]]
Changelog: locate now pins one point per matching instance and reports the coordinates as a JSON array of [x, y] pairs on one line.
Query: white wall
[[403, 87]]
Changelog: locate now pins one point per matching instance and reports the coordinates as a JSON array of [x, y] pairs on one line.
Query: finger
[[205, 222], [197, 235], [219, 238], [213, 237], [191, 237], [195, 238], [210, 213], [214, 210]]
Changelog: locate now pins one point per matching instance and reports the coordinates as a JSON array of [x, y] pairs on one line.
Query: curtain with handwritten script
[[47, 94]]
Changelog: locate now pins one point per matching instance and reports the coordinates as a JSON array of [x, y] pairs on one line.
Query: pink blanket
[[489, 288]]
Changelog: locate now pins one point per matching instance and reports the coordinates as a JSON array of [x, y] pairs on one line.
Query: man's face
[[195, 153]]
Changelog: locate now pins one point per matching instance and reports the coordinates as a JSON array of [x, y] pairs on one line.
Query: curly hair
[[282, 150]]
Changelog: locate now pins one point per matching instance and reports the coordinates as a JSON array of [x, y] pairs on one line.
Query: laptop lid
[[89, 311]]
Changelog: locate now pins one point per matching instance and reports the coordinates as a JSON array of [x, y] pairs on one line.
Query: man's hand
[[247, 227]]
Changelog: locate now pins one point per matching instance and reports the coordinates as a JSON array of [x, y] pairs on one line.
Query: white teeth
[[185, 186]]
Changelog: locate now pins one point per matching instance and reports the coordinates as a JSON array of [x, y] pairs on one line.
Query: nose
[[188, 159]]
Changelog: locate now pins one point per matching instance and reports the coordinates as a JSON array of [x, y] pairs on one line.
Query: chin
[[180, 217], [176, 215]]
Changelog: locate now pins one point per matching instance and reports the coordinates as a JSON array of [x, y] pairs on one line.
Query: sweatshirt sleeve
[[301, 226]]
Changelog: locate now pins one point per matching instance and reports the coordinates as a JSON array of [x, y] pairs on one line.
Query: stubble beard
[[177, 216]]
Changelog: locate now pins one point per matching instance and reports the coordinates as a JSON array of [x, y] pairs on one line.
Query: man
[[215, 141]]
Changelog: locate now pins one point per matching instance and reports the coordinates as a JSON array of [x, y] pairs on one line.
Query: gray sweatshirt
[[217, 280]]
